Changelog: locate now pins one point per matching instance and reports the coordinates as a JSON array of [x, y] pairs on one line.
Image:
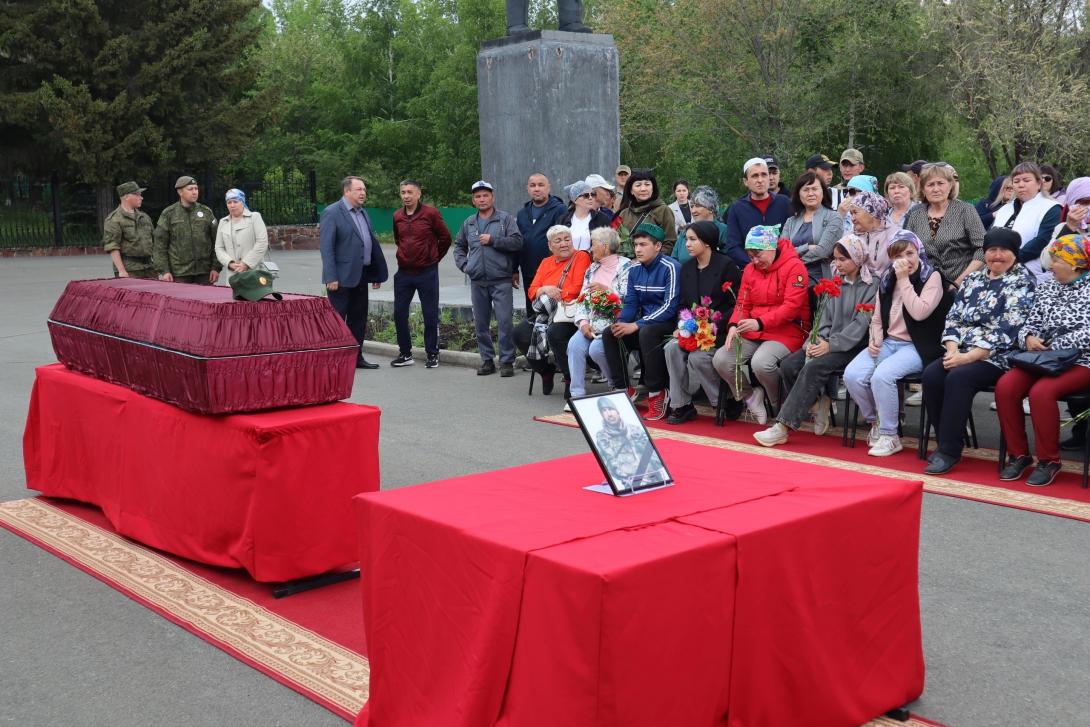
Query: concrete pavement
[[1005, 593]]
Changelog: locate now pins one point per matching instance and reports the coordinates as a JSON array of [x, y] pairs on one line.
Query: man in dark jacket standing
[[351, 258], [487, 249], [534, 219], [422, 240], [757, 207]]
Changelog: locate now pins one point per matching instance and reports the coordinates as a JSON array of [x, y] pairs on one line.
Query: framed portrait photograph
[[620, 442]]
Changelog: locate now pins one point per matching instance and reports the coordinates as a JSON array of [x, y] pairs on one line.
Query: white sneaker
[[821, 415], [873, 435], [755, 402], [1025, 406], [775, 434], [914, 399], [992, 405], [886, 445], [567, 408]]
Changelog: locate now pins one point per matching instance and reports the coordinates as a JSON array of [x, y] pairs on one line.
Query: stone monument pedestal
[[548, 102]]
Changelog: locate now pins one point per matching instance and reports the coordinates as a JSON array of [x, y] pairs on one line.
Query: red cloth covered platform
[[197, 348], [269, 492], [752, 593]]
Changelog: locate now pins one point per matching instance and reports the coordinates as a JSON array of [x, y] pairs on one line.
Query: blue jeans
[[488, 298], [579, 347], [872, 382]]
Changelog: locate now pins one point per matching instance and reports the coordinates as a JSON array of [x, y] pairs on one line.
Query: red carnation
[[864, 308], [727, 286]]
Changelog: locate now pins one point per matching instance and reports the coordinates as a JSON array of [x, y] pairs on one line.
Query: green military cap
[[184, 182], [651, 230], [253, 285], [129, 188]]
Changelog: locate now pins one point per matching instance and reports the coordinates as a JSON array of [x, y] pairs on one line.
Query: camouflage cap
[[129, 188], [253, 285], [184, 182]]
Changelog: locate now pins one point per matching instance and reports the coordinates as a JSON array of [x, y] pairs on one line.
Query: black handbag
[[1051, 362]]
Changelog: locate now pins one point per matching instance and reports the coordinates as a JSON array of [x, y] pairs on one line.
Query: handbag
[[1052, 362], [269, 266], [565, 312]]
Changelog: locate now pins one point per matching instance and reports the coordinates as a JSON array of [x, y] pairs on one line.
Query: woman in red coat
[[770, 319]]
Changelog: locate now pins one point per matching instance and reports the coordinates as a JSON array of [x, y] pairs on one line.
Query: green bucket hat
[[129, 188], [253, 285], [651, 230]]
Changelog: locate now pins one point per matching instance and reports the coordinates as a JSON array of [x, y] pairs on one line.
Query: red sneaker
[[656, 406]]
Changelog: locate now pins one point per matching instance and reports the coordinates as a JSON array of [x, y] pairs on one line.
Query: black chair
[[1079, 400], [926, 425]]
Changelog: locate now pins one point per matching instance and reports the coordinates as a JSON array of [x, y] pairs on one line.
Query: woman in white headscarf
[[241, 238]]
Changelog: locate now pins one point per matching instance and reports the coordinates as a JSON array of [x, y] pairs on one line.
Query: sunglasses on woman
[[1046, 177]]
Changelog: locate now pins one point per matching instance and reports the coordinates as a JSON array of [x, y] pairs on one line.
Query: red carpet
[[974, 478], [311, 642]]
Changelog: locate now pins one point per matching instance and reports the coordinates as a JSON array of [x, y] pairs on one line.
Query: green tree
[[105, 91]]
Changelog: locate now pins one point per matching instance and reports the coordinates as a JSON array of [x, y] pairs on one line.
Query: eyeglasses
[[1046, 177]]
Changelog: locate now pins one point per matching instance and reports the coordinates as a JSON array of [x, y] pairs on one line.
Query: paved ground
[[1005, 593]]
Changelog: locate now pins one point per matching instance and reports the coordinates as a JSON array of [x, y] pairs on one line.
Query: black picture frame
[[628, 457]]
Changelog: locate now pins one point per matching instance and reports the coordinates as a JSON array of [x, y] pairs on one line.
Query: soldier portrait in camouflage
[[624, 449]]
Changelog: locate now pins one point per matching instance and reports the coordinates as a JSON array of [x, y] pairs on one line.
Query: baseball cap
[[853, 155], [651, 230], [253, 285], [819, 161], [129, 188], [751, 163], [915, 167], [771, 162], [597, 180], [623, 168], [480, 184], [184, 182]]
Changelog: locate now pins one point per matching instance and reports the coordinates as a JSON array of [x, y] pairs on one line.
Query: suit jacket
[[342, 249]]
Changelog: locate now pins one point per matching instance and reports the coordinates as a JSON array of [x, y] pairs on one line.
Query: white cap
[[752, 163], [480, 184], [597, 180]]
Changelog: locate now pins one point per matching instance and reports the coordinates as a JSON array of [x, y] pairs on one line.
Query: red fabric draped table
[[269, 492], [756, 591]]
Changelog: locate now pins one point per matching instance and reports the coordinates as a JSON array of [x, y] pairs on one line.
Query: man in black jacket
[[534, 219]]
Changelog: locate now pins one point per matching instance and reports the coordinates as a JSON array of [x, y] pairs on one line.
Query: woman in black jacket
[[706, 274]]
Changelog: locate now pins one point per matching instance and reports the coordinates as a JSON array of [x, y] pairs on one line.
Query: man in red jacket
[[422, 239]]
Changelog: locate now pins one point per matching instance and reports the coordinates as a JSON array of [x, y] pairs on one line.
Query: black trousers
[[558, 334], [426, 284], [351, 304], [650, 340], [948, 396]]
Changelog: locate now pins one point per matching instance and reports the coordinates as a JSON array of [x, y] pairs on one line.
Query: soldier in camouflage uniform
[[621, 446], [127, 234], [185, 239]]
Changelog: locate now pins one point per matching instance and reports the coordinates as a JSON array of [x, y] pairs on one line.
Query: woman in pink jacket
[[770, 320]]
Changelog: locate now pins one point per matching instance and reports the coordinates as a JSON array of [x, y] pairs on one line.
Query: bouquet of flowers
[[824, 290], [696, 327], [603, 305]]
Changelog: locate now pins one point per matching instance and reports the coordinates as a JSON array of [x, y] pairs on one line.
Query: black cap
[[819, 161], [1002, 237], [771, 163], [915, 167]]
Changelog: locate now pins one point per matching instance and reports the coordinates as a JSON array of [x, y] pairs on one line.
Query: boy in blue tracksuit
[[648, 317]]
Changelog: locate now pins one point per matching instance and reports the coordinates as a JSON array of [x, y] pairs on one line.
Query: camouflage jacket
[[132, 236], [185, 240], [621, 449]]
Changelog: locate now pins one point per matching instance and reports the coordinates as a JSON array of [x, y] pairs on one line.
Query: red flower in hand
[[864, 308], [687, 343]]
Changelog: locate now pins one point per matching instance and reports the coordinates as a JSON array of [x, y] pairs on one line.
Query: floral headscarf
[[763, 237], [875, 204], [925, 270], [236, 194], [857, 251], [1071, 249]]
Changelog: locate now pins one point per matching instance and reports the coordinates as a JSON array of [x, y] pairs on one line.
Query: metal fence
[[51, 212]]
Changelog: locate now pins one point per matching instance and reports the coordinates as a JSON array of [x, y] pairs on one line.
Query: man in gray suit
[[351, 258]]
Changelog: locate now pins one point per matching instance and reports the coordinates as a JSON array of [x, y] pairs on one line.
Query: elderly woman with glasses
[[242, 241], [951, 230], [1032, 214], [583, 214]]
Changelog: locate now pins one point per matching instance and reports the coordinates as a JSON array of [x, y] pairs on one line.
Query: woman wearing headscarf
[[1059, 319], [242, 240], [641, 203], [986, 207], [950, 228], [813, 228], [704, 204], [842, 334], [583, 215], [870, 223], [981, 330], [710, 275], [905, 329], [770, 318], [1078, 208], [1031, 214]]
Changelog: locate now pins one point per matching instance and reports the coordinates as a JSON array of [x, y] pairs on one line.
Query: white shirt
[[580, 232]]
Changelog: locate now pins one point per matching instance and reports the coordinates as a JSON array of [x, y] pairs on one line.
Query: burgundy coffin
[[195, 347]]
